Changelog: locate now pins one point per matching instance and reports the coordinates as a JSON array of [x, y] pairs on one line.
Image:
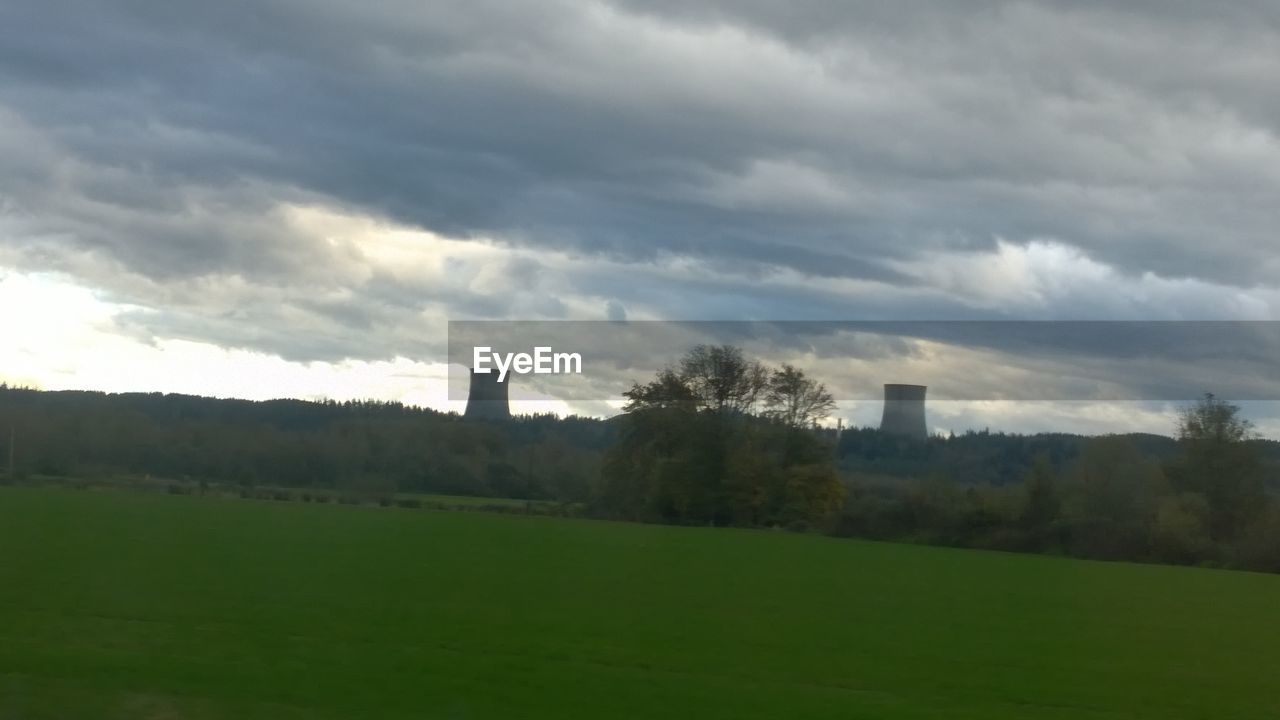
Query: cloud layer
[[328, 181]]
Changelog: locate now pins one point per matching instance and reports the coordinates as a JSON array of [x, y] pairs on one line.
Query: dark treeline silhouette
[[718, 439], [365, 447], [982, 457], [1207, 497]]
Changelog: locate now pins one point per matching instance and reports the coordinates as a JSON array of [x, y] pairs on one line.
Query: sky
[[286, 198]]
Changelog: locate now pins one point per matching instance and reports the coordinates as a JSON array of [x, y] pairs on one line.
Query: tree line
[[359, 447], [1206, 497], [716, 439]]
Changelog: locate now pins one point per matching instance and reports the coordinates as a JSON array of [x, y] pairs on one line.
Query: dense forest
[[366, 447], [717, 439]]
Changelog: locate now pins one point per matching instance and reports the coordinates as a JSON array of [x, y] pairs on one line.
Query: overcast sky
[[292, 198]]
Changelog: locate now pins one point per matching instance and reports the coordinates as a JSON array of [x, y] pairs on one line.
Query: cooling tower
[[904, 411], [487, 399]]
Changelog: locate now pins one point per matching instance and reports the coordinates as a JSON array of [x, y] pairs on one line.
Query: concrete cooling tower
[[904, 411], [487, 399]]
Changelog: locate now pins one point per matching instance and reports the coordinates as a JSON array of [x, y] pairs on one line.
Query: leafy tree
[[1218, 462], [1213, 420], [668, 390], [722, 379], [813, 496], [797, 400], [1111, 500], [693, 449], [1180, 533], [1042, 503], [1258, 547]]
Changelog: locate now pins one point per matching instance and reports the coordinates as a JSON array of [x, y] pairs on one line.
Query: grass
[[120, 605], [147, 483], [465, 501]]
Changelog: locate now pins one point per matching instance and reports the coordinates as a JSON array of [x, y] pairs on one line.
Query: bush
[[1180, 533], [1259, 545]]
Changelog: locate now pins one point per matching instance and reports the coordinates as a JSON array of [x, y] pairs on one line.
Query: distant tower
[[904, 411], [487, 399]]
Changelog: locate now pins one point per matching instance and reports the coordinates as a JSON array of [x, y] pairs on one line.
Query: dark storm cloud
[[801, 160]]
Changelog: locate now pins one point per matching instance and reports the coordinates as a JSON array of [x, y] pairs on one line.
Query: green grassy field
[[118, 605]]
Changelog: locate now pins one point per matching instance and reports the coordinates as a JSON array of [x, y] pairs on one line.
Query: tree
[[1042, 504], [813, 496], [796, 399], [668, 462], [1218, 462], [667, 391], [1258, 548], [1213, 420], [722, 379], [693, 449], [1179, 533], [1111, 500]]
